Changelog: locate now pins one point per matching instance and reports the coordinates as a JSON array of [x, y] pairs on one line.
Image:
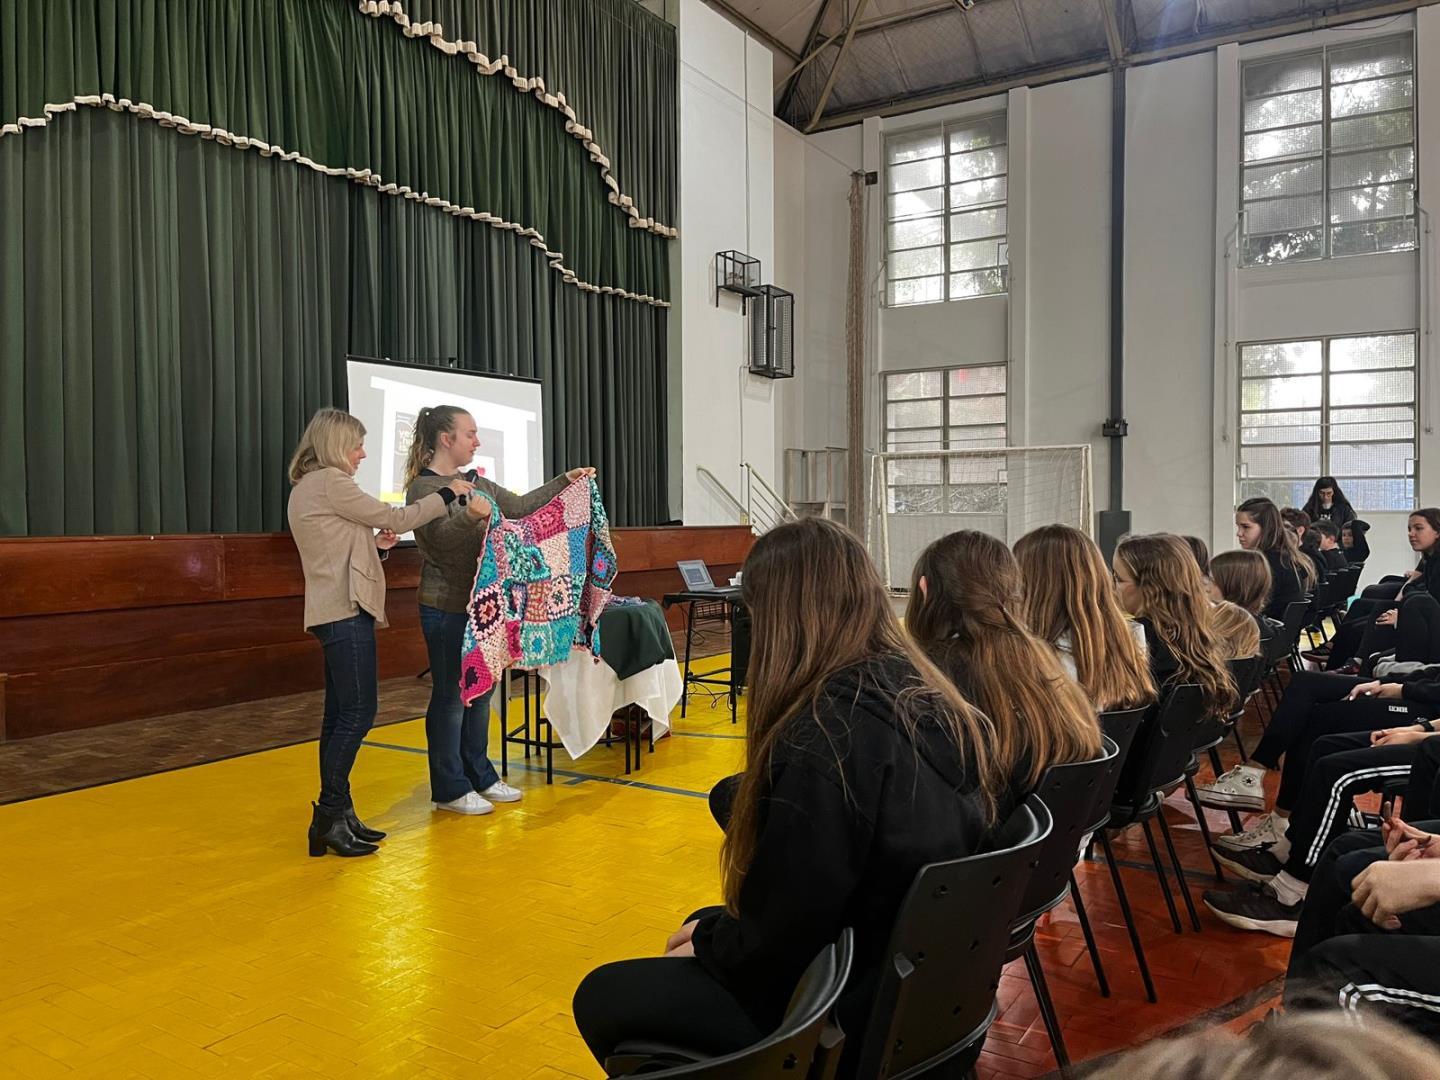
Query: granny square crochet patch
[[541, 586]]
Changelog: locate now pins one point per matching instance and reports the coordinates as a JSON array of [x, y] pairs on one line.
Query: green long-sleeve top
[[452, 544]]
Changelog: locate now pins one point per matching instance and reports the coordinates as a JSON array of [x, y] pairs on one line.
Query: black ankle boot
[[334, 834], [361, 830]]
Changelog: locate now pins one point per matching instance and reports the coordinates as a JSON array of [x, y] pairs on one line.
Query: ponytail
[[430, 424]]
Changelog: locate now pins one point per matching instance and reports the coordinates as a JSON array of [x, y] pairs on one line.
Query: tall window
[[945, 212], [1329, 152], [1342, 407], [954, 409]]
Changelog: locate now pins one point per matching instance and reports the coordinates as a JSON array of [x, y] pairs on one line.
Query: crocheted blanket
[[541, 587]]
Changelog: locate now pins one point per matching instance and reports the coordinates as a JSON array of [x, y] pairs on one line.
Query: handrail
[[740, 509], [776, 510]]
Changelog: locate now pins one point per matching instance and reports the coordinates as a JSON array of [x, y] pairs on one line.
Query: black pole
[[1115, 519]]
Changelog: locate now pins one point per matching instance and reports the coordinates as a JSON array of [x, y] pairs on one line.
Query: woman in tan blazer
[[333, 524]]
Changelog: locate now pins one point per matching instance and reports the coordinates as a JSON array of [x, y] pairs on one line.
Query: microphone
[[473, 475]]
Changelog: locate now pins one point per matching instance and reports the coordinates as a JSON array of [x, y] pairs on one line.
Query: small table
[[732, 678]]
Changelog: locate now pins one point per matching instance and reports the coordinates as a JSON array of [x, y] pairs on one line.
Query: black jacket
[[854, 809], [1163, 665], [1285, 586], [1340, 513]]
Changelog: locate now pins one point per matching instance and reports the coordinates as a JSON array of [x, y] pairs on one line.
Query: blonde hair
[[1318, 1046], [1172, 598], [432, 422], [1067, 592], [1235, 627], [968, 620], [327, 439]]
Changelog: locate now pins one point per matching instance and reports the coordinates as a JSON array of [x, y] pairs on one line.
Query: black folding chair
[[807, 1043], [1156, 766], [936, 995], [1069, 792], [1120, 727]]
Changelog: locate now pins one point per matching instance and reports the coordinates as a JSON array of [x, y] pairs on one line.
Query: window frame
[[1327, 152], [1324, 408], [948, 212], [946, 428]]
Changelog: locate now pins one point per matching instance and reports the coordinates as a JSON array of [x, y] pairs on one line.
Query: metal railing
[[764, 505]]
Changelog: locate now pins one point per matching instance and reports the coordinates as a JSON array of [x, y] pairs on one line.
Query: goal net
[[918, 496]]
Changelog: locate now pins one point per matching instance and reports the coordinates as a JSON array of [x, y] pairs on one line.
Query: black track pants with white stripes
[[1395, 975], [1340, 767]]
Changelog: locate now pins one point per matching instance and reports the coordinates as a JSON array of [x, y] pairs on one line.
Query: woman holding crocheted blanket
[[462, 779], [333, 523]]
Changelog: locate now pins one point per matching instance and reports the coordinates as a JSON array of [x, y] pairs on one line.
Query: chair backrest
[[1284, 641], [1247, 674], [936, 993], [1120, 727], [1070, 792], [789, 1051], [1161, 753]]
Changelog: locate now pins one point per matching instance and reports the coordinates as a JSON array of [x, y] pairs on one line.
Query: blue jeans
[[458, 736], [351, 697]]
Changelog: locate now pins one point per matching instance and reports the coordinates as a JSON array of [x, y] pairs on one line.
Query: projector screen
[[386, 398]]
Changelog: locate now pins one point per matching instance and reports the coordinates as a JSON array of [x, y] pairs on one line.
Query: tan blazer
[[333, 523]]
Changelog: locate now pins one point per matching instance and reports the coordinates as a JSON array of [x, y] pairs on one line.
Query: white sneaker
[[502, 792], [469, 803], [1266, 832], [1242, 788]]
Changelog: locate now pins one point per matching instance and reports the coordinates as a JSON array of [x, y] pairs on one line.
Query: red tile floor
[[1218, 976]]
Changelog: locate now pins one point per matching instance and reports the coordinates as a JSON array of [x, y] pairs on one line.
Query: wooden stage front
[[97, 630]]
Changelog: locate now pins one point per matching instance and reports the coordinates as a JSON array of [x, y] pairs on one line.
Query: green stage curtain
[[172, 310], [330, 86]]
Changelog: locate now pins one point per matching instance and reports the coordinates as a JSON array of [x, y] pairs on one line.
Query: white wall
[[1169, 294], [1184, 310], [727, 140], [812, 253]]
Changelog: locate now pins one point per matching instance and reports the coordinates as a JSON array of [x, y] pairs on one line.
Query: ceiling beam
[[808, 52], [970, 37], [805, 62], [755, 30], [835, 68], [1025, 33], [1154, 53], [1114, 40]]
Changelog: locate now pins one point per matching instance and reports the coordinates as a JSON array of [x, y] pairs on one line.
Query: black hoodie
[[1359, 549], [854, 809]]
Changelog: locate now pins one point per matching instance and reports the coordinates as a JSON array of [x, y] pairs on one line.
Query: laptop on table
[[697, 579]]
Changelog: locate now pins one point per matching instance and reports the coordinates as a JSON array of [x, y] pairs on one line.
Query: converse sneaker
[[1265, 831], [1255, 864], [469, 803], [1254, 908], [502, 792], [1242, 788]]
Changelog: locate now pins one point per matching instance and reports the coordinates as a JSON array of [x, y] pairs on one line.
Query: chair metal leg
[[1236, 825], [1180, 872], [1129, 917], [1079, 902], [689, 637], [1164, 878], [1047, 1009], [1204, 826], [1215, 763], [1239, 745]]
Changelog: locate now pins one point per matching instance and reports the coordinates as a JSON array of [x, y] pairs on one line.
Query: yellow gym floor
[[173, 925]]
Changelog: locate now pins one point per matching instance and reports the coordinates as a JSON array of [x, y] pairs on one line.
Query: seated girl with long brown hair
[[1069, 602], [1158, 582], [966, 613], [863, 763]]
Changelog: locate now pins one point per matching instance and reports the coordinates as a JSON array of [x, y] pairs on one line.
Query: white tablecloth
[[582, 694]]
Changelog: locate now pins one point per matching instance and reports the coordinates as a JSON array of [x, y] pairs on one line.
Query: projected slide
[[387, 398]]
